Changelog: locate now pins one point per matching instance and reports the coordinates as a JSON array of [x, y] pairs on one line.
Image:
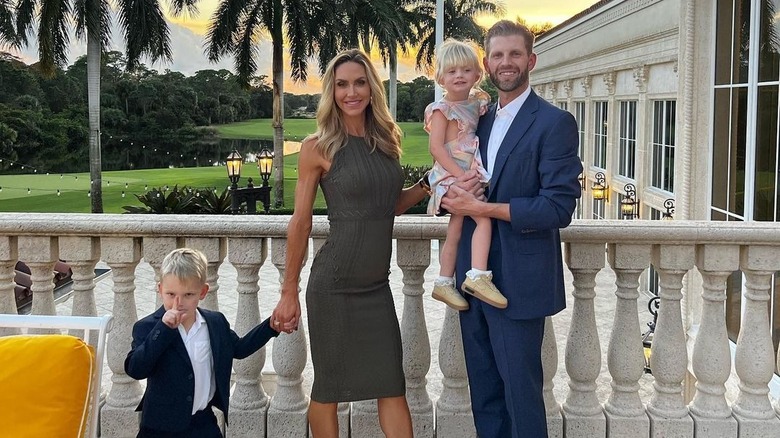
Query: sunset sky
[[187, 41]]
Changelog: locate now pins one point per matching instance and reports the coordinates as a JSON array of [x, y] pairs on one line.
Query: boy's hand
[[173, 317]]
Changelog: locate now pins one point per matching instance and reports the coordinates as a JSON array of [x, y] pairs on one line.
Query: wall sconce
[[669, 213], [628, 203], [600, 192], [581, 179]]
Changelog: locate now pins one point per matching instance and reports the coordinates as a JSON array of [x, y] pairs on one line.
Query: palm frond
[[146, 31], [53, 35]]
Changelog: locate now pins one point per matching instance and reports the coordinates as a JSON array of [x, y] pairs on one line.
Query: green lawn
[[414, 142], [73, 188]]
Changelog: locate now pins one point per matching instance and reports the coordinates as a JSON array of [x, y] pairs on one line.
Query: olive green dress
[[353, 328]]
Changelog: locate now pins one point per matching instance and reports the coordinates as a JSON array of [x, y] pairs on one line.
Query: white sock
[[444, 281], [473, 273]]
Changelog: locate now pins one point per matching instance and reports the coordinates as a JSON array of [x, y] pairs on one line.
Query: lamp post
[[668, 215], [249, 194], [600, 192], [628, 203]]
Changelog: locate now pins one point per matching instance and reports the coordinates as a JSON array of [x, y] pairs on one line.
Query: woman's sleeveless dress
[[353, 327], [463, 149]]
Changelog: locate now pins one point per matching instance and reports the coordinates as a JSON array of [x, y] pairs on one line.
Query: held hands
[[464, 196], [173, 317], [287, 313]]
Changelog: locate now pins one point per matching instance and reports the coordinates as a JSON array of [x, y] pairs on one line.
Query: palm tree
[[458, 23], [234, 30], [7, 31], [145, 32]]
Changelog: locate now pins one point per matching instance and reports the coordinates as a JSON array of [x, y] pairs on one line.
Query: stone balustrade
[[690, 342]]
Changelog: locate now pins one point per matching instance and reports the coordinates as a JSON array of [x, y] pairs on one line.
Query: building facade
[[677, 105]]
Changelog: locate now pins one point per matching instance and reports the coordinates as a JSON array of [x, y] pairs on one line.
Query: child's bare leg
[[323, 420], [449, 251], [444, 286], [479, 281]]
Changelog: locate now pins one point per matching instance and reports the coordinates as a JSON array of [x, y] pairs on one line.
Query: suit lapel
[[484, 132], [523, 120], [211, 324]]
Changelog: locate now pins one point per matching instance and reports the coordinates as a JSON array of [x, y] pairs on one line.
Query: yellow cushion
[[44, 385]]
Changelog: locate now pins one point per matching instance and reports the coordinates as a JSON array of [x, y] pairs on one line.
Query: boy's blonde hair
[[185, 264], [456, 53]]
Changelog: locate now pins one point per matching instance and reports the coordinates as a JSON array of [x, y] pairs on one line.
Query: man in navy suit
[[530, 149], [186, 354]]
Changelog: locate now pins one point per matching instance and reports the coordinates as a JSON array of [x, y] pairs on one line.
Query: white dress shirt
[[199, 350], [504, 118]]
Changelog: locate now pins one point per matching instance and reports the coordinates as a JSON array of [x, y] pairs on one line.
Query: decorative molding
[[585, 82], [553, 88], [567, 88], [641, 76], [609, 81], [675, 66], [540, 89]]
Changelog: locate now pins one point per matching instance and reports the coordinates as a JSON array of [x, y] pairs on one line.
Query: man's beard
[[512, 85]]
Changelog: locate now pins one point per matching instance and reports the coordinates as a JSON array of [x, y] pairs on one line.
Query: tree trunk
[[278, 104], [93, 100], [392, 85]]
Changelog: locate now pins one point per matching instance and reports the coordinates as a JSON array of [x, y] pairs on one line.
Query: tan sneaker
[[448, 295], [484, 289]]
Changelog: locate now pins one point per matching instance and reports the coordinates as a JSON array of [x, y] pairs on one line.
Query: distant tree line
[[146, 115]]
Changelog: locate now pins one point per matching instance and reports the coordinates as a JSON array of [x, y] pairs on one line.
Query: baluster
[[453, 408], [669, 356], [549, 368], [711, 353], [413, 257], [8, 259], [583, 415], [289, 405], [118, 417], [365, 420], [754, 361], [624, 409], [214, 249], [40, 254], [155, 249], [249, 403], [81, 254]]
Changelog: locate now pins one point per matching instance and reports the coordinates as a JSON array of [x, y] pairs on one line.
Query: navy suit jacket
[[536, 172], [158, 354]]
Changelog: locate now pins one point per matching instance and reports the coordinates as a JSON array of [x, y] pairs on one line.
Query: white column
[[214, 248], [549, 368], [413, 257], [669, 356], [453, 408], [624, 409], [582, 413], [289, 405], [118, 417], [249, 402], [711, 353], [40, 253], [155, 249], [755, 358], [8, 259], [82, 254]]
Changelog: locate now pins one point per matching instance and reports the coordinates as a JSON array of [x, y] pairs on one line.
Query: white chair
[[32, 359]]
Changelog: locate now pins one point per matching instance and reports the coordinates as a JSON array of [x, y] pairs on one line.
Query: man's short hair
[[509, 28]]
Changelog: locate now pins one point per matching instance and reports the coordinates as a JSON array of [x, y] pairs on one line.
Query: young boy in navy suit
[[186, 354]]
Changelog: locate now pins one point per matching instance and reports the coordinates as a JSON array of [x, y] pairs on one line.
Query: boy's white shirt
[[504, 118], [199, 350]]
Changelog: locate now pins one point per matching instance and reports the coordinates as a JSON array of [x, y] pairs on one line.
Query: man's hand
[[470, 182], [173, 317], [461, 202]]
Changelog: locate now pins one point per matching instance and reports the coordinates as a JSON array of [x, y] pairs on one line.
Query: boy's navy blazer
[[158, 354]]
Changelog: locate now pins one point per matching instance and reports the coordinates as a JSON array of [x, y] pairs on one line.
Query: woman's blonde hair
[[455, 53], [381, 131]]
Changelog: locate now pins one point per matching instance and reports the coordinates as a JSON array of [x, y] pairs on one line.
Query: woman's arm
[[436, 141], [311, 166], [409, 197]]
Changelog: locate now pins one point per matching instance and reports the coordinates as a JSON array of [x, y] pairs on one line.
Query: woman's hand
[[287, 314]]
